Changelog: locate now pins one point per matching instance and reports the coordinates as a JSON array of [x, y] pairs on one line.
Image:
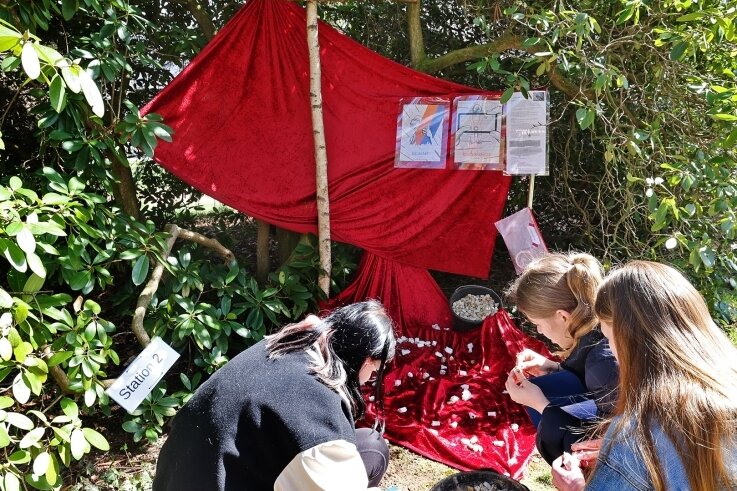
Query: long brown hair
[[676, 368], [560, 282]]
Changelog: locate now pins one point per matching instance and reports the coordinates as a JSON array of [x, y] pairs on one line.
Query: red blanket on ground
[[243, 135]]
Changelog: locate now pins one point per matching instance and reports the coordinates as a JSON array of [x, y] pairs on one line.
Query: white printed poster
[[422, 133], [477, 133], [527, 133]]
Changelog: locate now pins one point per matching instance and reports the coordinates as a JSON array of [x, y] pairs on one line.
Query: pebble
[[515, 427], [402, 409], [405, 351], [466, 395], [491, 413], [397, 383], [475, 307], [448, 350], [453, 399], [498, 443], [435, 423]]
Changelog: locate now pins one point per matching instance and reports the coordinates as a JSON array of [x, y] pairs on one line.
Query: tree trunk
[[321, 157], [207, 26], [414, 29], [287, 241], [124, 190], [263, 262]]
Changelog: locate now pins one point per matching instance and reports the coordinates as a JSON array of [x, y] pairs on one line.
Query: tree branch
[[144, 299], [505, 42], [207, 26]]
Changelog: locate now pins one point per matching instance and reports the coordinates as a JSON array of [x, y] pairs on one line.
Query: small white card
[[142, 375]]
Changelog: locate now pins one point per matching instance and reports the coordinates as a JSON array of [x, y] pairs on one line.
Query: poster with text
[[527, 133], [422, 133], [477, 136]]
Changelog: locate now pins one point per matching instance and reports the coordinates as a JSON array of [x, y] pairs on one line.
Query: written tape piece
[[142, 375]]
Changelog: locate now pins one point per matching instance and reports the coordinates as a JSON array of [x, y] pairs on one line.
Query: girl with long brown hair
[[675, 423]]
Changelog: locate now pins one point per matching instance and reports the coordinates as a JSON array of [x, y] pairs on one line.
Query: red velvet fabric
[[480, 359], [241, 115], [243, 135], [420, 411]]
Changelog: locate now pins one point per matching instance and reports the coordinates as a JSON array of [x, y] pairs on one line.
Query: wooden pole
[[321, 157], [531, 192]]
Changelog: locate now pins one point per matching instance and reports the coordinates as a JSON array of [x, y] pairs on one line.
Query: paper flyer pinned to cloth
[[523, 238]]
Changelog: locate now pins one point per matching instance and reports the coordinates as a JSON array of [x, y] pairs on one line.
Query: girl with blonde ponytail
[[557, 294]]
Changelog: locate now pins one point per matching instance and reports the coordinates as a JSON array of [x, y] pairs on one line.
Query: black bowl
[[478, 480], [462, 324]]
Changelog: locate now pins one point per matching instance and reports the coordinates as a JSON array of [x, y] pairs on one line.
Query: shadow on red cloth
[[426, 411]]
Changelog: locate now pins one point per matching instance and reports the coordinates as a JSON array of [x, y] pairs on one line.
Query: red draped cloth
[[243, 135]]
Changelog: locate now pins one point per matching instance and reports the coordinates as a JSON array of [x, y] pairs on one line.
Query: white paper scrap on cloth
[[522, 237], [141, 376]]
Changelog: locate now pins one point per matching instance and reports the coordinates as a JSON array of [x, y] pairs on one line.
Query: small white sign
[[142, 375]]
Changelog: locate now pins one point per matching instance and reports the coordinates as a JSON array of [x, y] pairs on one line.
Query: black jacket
[[246, 424], [593, 362]]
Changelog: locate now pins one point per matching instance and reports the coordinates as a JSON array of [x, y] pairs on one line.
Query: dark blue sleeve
[[602, 377]]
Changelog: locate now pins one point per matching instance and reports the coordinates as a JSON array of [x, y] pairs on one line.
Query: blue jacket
[[621, 467]]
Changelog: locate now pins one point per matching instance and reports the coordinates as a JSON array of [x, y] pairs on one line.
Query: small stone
[[435, 423], [410, 374], [486, 368], [433, 431], [438, 354], [466, 395], [453, 399], [397, 383], [425, 375], [402, 409], [454, 424], [464, 386], [405, 352], [462, 373], [491, 413], [498, 443], [470, 347], [515, 427], [448, 350]]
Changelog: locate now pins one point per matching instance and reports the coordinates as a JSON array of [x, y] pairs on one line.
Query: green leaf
[[529, 42], [140, 270], [678, 50], [724, 117], [32, 437], [507, 95], [69, 407], [29, 60], [6, 301], [33, 283], [708, 257], [6, 402], [36, 265], [20, 421], [68, 8], [57, 94], [41, 463], [691, 16], [59, 357], [11, 481], [4, 437], [78, 444], [14, 255], [96, 439]]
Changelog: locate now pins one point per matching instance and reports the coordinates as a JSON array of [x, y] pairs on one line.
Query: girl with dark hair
[[556, 293], [674, 425], [280, 415]]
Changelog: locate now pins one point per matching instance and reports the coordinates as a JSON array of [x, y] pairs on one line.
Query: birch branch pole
[[321, 157]]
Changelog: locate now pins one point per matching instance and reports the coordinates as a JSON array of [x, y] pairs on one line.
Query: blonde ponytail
[[560, 282], [583, 279]]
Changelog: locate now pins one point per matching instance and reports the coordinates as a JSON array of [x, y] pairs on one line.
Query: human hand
[[524, 392], [533, 363], [567, 474], [587, 451]]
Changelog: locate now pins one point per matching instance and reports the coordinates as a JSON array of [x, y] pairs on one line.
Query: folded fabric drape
[[243, 135]]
